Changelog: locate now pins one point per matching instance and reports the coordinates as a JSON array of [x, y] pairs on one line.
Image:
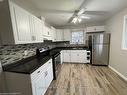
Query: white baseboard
[[125, 78]]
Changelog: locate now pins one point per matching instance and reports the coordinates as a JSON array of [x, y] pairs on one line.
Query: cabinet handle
[[33, 38], [38, 72], [46, 73]]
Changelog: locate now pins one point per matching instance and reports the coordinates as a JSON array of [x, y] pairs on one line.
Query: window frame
[[124, 32], [76, 30]]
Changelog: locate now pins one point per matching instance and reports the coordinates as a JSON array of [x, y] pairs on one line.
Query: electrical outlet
[[25, 52]]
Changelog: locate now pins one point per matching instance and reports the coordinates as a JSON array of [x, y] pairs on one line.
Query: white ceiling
[[58, 12]]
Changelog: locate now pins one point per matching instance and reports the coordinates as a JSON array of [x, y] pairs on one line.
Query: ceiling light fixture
[[76, 19], [84, 17], [79, 20]]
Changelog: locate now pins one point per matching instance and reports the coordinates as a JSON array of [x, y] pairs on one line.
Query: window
[[77, 37], [124, 41]]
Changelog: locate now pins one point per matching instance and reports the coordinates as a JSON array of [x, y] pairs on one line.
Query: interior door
[[100, 54]]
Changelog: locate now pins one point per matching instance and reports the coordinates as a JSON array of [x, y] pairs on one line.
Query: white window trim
[[124, 30], [75, 30]]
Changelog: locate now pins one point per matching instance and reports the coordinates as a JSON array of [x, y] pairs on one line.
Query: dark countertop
[[30, 64]]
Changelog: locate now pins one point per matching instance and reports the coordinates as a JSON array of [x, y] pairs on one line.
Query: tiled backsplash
[[13, 53]]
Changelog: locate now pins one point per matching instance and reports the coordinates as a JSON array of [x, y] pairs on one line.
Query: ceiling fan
[[78, 16]]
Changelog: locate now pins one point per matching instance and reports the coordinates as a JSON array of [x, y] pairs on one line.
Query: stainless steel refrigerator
[[100, 45]]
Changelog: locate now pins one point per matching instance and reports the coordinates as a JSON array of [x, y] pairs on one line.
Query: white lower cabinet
[[75, 56], [66, 56], [35, 83], [39, 86], [41, 82]]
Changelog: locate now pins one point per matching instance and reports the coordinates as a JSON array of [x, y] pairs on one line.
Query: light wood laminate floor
[[84, 79]]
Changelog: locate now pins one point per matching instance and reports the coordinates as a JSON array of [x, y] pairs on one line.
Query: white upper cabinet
[[59, 35], [95, 29], [47, 31], [36, 29], [19, 27], [67, 35], [22, 24], [53, 33]]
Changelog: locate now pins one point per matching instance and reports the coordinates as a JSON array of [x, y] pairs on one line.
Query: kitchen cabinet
[[47, 31], [66, 56], [61, 56], [39, 85], [67, 35], [95, 29], [41, 82], [48, 77], [36, 29], [20, 23], [36, 83], [53, 33], [19, 27], [59, 35], [75, 56]]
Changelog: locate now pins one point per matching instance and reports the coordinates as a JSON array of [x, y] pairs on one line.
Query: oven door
[[57, 64]]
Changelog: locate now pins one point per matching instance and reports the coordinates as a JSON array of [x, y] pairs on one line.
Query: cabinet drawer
[[66, 51], [48, 64], [78, 51], [41, 70]]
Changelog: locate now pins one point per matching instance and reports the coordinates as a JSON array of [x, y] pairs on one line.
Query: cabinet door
[[81, 58], [22, 25], [90, 29], [74, 57], [78, 56], [47, 31], [95, 29], [99, 28], [61, 56], [48, 73], [53, 33], [48, 77], [39, 86], [67, 35], [66, 57], [59, 35], [36, 29]]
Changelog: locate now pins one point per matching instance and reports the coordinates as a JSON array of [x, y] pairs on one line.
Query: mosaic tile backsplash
[[13, 53]]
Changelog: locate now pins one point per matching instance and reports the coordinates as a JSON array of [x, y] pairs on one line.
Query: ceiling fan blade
[[81, 11], [70, 20], [95, 13], [74, 15]]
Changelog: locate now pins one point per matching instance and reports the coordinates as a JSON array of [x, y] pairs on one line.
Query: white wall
[[118, 57], [0, 67]]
